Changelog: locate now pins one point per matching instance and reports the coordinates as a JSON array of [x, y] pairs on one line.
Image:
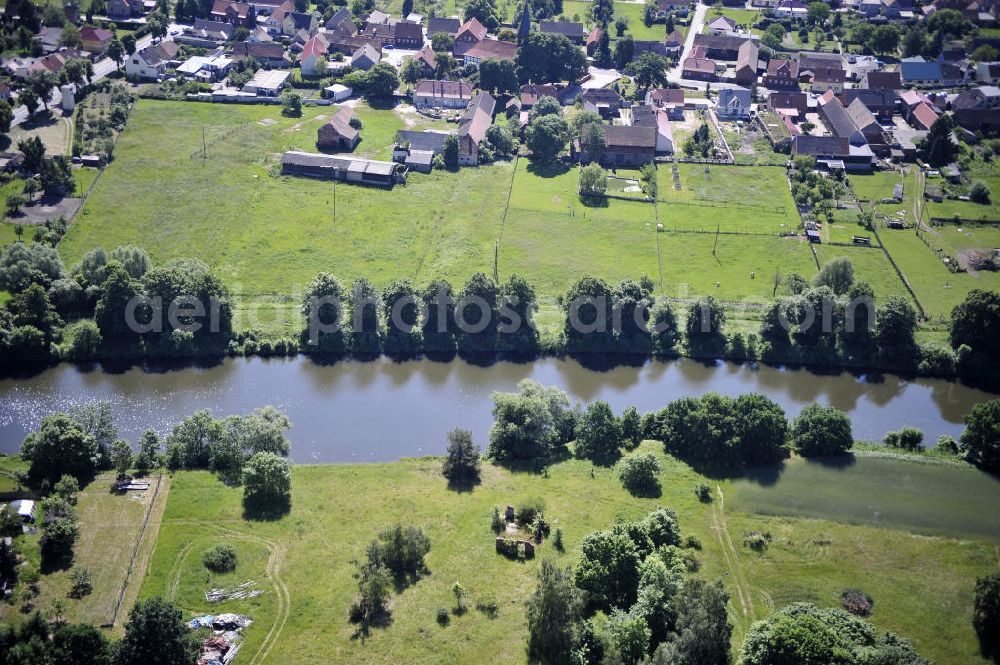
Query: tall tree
[[156, 633], [554, 612]]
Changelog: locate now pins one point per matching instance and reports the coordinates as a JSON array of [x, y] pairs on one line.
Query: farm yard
[[306, 556]]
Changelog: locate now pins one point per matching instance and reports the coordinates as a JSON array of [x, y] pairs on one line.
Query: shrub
[[497, 523], [857, 602], [461, 594], [443, 617], [639, 475], [541, 528], [631, 428], [979, 193], [401, 549], [220, 559], [947, 445], [557, 539], [986, 613], [488, 605], [756, 541], [908, 438], [462, 461], [529, 508], [692, 543], [821, 432], [82, 586], [704, 493], [66, 488]]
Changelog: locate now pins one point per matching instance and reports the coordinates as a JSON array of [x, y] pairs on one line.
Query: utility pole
[[335, 198], [496, 260], [204, 146], [716, 240]]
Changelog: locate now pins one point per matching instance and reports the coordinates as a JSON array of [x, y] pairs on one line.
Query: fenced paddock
[[704, 264], [751, 199], [870, 265]]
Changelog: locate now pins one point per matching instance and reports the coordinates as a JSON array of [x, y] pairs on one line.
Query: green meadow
[[210, 187], [918, 557]]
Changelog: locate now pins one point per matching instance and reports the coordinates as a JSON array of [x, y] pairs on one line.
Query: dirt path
[[721, 530], [275, 560]]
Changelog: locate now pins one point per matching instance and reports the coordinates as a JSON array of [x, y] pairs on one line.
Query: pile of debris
[[224, 643], [241, 592]]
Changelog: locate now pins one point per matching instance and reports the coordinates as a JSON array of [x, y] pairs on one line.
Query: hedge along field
[[302, 615], [690, 268]]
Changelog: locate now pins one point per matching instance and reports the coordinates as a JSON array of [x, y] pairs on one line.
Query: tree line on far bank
[[832, 320]]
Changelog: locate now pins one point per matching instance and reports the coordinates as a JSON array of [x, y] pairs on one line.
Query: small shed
[[91, 160], [420, 160], [25, 509], [814, 236], [337, 92]]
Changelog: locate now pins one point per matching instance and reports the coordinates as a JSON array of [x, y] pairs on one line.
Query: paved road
[[674, 75], [697, 22], [102, 68]]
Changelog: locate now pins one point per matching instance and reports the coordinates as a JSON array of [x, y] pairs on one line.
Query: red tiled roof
[[315, 46], [474, 28], [925, 114], [95, 34], [487, 48], [701, 65]]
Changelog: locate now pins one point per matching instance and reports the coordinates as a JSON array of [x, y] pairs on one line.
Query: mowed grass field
[[922, 499], [747, 199], [690, 267], [937, 288], [870, 265], [110, 525], [876, 186], [267, 235], [922, 584], [271, 235]]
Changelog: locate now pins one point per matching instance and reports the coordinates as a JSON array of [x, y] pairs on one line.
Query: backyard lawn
[[110, 525], [303, 561], [748, 199], [743, 17], [876, 186]]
